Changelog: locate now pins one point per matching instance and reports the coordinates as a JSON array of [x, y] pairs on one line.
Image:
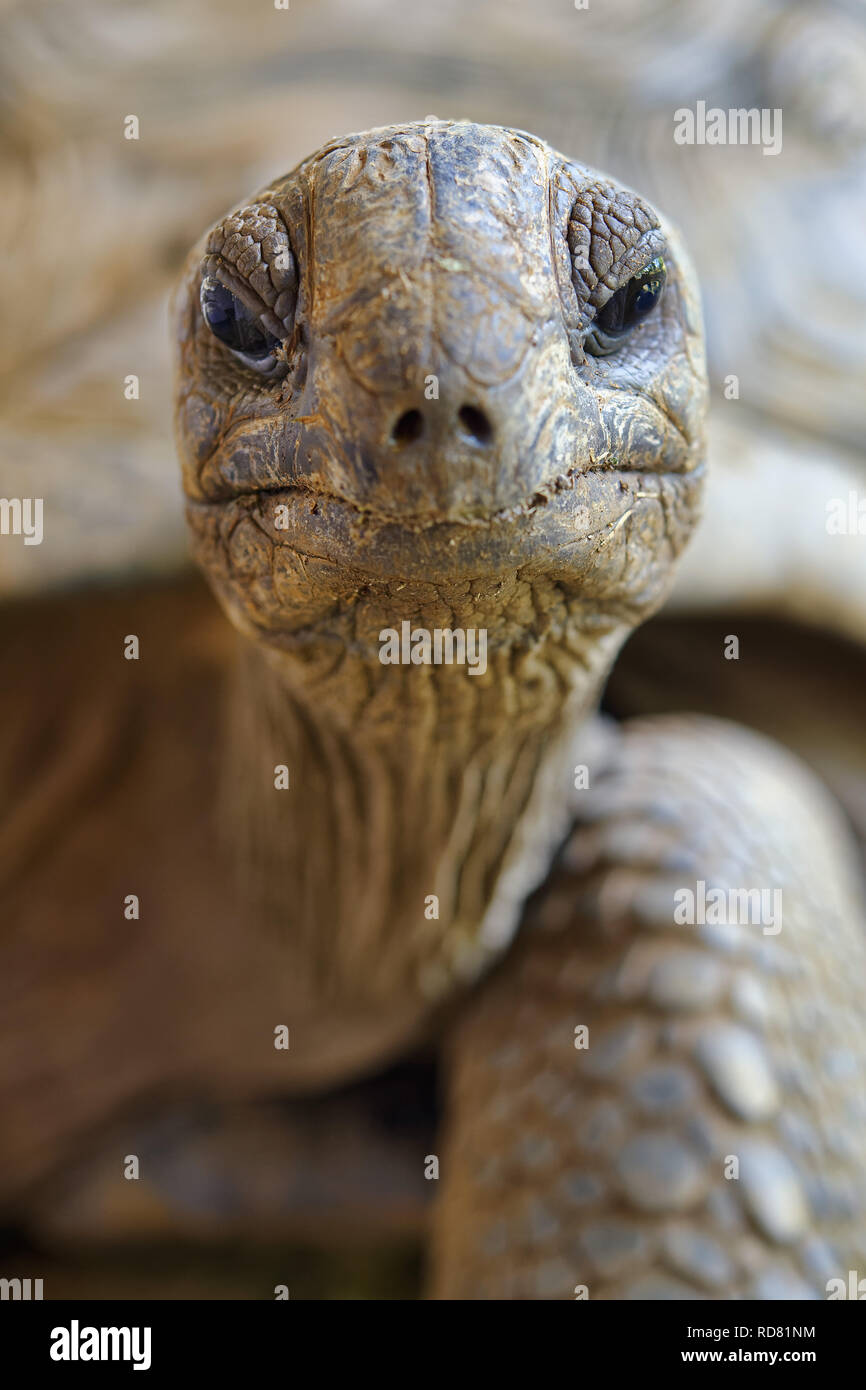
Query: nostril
[[475, 423], [409, 427]]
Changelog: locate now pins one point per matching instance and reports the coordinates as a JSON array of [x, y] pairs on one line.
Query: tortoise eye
[[633, 301], [238, 326]]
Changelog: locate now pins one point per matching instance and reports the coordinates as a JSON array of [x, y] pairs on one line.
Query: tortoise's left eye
[[238, 326], [628, 307]]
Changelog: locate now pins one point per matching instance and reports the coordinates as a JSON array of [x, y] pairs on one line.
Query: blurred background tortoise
[[97, 226]]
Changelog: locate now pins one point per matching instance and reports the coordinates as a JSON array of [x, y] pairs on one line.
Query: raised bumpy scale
[[440, 375]]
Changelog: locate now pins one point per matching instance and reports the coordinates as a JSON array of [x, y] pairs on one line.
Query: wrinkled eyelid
[[649, 244], [653, 243]]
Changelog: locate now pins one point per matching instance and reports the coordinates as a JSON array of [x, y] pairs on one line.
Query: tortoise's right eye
[[627, 308], [238, 326], [635, 300]]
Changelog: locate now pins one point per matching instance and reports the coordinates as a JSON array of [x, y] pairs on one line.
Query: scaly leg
[[709, 1140]]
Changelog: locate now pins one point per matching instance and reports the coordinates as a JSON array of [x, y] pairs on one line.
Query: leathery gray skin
[[478, 258], [434, 442], [446, 250]]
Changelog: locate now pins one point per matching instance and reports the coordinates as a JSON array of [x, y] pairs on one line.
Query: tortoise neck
[[396, 834]]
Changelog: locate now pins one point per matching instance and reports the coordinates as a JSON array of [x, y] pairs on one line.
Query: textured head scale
[[432, 421]]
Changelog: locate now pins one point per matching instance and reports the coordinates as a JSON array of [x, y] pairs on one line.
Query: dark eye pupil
[[632, 302], [229, 319]]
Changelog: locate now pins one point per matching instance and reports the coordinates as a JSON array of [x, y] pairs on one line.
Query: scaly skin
[[543, 494], [448, 251], [604, 1167]]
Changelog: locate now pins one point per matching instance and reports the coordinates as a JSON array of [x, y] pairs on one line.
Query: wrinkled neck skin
[[424, 803], [541, 494]]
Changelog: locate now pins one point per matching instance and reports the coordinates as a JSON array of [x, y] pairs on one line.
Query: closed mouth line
[[543, 494]]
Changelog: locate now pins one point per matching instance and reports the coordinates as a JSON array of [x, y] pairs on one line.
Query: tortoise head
[[439, 369]]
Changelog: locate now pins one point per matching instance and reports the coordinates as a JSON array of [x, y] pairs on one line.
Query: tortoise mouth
[[564, 482], [566, 529], [469, 486]]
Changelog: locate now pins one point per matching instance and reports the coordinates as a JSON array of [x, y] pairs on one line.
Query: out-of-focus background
[[229, 93]]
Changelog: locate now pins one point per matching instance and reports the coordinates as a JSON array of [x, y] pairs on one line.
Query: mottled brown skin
[[451, 250], [443, 249], [544, 494]]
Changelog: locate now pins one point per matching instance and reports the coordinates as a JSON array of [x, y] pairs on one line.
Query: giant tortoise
[[441, 380], [605, 1063]]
